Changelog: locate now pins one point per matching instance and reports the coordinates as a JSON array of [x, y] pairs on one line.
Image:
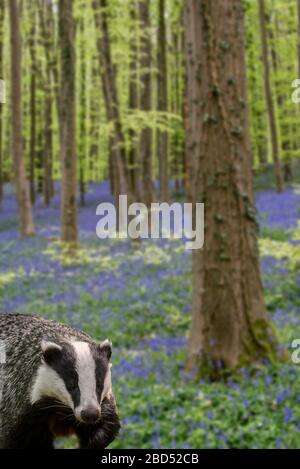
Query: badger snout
[[90, 414]]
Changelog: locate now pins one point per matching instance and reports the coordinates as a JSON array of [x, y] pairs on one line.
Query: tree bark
[[94, 119], [269, 99], [33, 70], [298, 37], [47, 152], [284, 127], [134, 173], [258, 114], [192, 96], [68, 123], [82, 123], [230, 327], [22, 186], [145, 101], [2, 9], [162, 101], [108, 77]]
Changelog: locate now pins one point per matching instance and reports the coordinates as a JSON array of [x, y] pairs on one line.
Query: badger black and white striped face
[[77, 374]]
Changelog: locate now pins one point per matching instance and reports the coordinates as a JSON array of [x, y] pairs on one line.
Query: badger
[[54, 381]]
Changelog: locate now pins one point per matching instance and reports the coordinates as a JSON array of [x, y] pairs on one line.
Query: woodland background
[[162, 100]]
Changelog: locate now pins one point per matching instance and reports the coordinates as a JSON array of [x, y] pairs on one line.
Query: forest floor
[[140, 297]]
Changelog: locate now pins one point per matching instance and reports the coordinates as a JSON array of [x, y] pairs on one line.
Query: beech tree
[[68, 123], [162, 100], [2, 6], [146, 100], [21, 182], [192, 97], [230, 327], [269, 98], [109, 86]]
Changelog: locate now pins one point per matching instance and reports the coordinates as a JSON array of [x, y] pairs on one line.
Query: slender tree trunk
[[22, 186], [2, 8], [82, 124], [298, 37], [47, 23], [46, 29], [230, 327], [284, 127], [68, 123], [134, 172], [177, 142], [94, 119], [47, 151], [269, 99], [40, 148], [108, 77], [32, 146], [162, 100], [192, 97], [145, 101], [258, 114]]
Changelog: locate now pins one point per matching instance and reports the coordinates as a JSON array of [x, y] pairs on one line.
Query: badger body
[[54, 381]]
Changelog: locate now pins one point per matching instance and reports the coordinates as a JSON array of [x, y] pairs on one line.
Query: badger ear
[[106, 348], [51, 351]]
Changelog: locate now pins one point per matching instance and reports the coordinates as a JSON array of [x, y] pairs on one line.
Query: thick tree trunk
[[145, 101], [162, 101], [230, 327], [192, 97], [22, 186], [2, 8], [269, 99], [67, 123], [108, 77]]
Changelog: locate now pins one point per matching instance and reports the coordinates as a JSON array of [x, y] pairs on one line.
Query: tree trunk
[[47, 152], [258, 113], [162, 101], [22, 186], [230, 327], [33, 72], [68, 123], [145, 101], [82, 114], [94, 119], [269, 99], [177, 92], [2, 8], [108, 77], [192, 97], [298, 37], [284, 126], [134, 173]]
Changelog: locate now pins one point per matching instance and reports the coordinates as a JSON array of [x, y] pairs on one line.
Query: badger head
[[77, 374]]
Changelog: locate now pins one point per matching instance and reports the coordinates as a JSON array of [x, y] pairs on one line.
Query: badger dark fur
[[54, 381]]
